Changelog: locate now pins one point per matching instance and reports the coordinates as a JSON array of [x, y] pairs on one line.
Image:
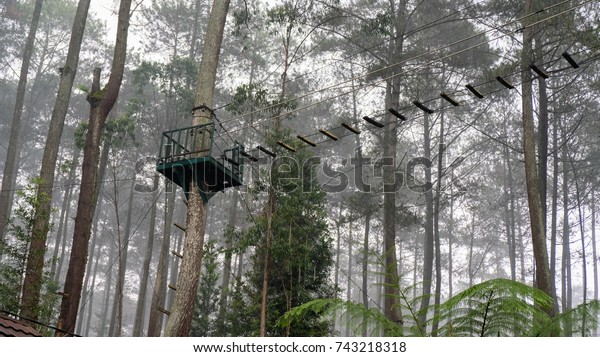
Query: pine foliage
[[14, 253]]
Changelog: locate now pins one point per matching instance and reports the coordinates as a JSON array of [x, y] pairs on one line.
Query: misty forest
[[300, 167]]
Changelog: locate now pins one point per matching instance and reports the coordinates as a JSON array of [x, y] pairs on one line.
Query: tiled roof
[[10, 327]]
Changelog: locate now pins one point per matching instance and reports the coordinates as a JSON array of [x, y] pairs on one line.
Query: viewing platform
[[192, 153]]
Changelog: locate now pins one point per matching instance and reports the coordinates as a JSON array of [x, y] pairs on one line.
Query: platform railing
[[233, 160], [186, 143], [199, 141]]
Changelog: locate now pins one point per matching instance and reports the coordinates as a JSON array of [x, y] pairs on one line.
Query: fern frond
[[583, 320], [498, 307], [351, 310]]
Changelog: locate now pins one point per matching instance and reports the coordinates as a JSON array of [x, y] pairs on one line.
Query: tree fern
[[498, 307], [351, 310], [583, 320]]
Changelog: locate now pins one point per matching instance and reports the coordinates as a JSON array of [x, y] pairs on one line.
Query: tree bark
[[436, 226], [594, 251], [187, 284], [554, 209], [392, 280], [63, 246], [159, 292], [194, 38], [536, 212], [365, 268], [337, 254], [450, 242], [428, 244], [566, 287], [123, 246], [37, 249], [519, 224], [64, 217], [98, 204], [90, 302], [141, 304], [101, 102], [88, 274], [471, 247], [509, 215], [349, 277], [266, 264], [543, 147], [227, 262], [583, 253], [10, 165]]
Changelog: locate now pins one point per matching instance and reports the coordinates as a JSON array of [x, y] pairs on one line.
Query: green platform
[[190, 153]]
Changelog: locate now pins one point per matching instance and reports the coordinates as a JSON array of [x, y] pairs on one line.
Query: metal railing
[[199, 141], [186, 143]]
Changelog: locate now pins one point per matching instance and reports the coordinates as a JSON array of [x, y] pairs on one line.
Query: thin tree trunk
[[223, 299], [63, 247], [159, 292], [98, 205], [566, 288], [436, 227], [10, 165], [86, 286], [41, 226], [115, 325], [141, 304], [187, 284], [271, 193], [554, 213], [543, 147], [536, 209], [124, 253], [174, 269], [349, 277], [365, 269], [123, 246], [428, 243], [519, 224], [64, 218], [240, 267], [381, 278], [594, 251], [415, 270], [509, 207], [510, 216], [101, 102], [90, 302], [337, 253], [392, 98], [471, 245], [107, 294], [194, 38], [583, 253], [451, 241], [266, 264], [392, 280]]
